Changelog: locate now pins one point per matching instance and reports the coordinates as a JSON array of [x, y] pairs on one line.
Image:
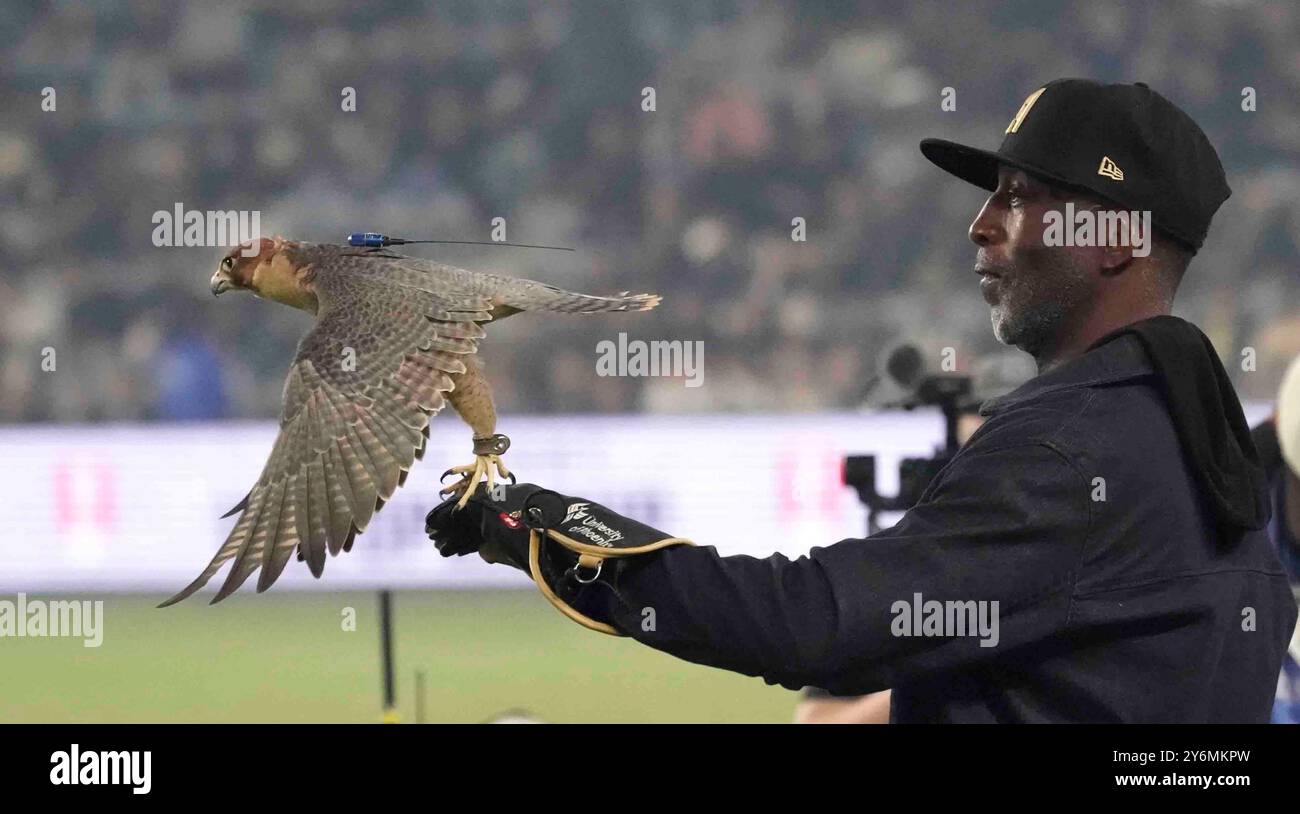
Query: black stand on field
[[951, 394], [386, 654]]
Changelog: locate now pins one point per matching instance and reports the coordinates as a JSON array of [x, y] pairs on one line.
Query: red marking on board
[[819, 473], [75, 505]]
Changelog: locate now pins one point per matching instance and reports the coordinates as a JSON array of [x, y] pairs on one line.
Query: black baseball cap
[[1126, 143]]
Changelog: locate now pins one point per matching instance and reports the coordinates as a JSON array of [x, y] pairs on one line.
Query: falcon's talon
[[484, 466]]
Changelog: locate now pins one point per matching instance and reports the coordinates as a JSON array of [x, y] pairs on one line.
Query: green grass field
[[286, 658]]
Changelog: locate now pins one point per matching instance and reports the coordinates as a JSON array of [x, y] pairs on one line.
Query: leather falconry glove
[[566, 544]]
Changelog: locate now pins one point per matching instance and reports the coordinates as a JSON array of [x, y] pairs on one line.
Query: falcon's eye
[[227, 264]]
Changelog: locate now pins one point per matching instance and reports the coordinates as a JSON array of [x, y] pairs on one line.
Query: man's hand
[[492, 523]]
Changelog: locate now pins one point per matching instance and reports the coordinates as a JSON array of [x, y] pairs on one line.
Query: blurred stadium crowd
[[765, 111]]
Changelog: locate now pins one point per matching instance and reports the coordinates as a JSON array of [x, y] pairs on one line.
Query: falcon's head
[[268, 267]]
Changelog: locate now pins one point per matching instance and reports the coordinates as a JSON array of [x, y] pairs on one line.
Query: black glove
[[491, 523], [566, 544]]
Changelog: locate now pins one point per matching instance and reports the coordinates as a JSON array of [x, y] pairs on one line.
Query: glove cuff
[[621, 538]]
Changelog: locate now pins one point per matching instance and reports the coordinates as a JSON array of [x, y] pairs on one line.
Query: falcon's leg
[[487, 458], [472, 399]]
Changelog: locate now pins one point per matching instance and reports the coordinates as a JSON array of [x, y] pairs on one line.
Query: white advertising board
[[137, 507]]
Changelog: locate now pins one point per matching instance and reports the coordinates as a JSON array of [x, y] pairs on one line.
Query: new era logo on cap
[[1109, 169]]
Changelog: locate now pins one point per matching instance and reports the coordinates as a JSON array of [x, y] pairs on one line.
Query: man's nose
[[986, 229]]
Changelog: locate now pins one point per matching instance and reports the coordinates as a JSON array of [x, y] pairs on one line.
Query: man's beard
[[1034, 298]]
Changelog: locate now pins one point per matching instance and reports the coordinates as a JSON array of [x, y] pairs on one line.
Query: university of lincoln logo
[[1024, 109], [1109, 169]]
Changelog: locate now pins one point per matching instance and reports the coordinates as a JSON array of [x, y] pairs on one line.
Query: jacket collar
[[1118, 360]]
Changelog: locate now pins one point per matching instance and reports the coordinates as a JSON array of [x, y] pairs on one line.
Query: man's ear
[[1120, 248]]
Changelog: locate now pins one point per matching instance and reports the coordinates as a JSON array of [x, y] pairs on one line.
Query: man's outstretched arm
[[1000, 536]]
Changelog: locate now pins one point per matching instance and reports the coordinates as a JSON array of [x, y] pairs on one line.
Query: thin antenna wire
[[376, 240], [491, 243]]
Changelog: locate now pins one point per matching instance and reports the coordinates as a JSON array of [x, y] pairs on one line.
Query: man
[[1278, 442], [1107, 519]]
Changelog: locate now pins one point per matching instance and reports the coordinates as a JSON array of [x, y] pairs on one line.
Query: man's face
[[1033, 289]]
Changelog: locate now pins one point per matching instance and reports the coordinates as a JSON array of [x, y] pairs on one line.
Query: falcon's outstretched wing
[[357, 403]]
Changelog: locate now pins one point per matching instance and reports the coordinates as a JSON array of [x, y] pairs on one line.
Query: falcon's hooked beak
[[220, 282]]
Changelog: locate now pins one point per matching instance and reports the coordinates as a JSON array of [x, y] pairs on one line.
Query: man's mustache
[[983, 267]]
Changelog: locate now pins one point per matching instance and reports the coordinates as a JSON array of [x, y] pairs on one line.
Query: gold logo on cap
[[1110, 169], [1024, 109]]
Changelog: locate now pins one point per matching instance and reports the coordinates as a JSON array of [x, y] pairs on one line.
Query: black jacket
[[1130, 586]]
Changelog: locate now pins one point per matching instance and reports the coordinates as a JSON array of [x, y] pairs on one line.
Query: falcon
[[394, 340]]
